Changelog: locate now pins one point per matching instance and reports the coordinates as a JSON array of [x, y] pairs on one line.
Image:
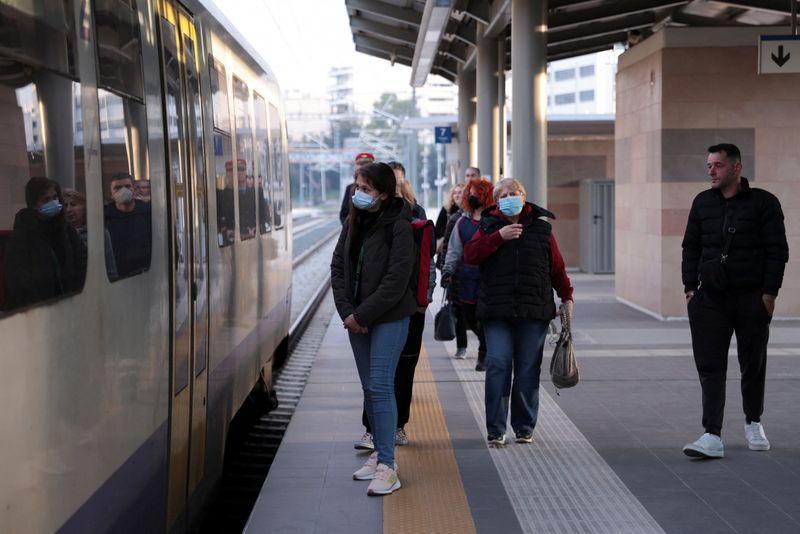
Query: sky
[[302, 39]]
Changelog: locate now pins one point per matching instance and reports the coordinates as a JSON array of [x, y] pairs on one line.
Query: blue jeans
[[513, 344], [376, 354]]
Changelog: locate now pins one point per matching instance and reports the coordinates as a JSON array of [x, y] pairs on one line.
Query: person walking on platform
[[409, 356], [520, 265], [451, 206], [370, 273], [460, 277], [362, 159], [734, 255]]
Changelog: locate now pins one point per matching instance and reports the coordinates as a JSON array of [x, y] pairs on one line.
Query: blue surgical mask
[[50, 209], [363, 201], [510, 206]]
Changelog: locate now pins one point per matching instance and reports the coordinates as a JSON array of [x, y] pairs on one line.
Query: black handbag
[[564, 370], [444, 323], [713, 274]]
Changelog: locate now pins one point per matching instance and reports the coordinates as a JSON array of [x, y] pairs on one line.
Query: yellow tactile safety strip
[[432, 499]]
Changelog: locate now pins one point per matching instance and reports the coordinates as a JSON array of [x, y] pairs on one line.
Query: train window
[[279, 180], [119, 47], [126, 184], [39, 33], [245, 178], [42, 187], [223, 172], [219, 96], [263, 158]]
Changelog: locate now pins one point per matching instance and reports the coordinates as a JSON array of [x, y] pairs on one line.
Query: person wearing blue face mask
[[520, 266], [371, 273], [45, 257]]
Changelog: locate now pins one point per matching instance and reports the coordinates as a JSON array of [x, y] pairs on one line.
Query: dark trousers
[[713, 319], [461, 326], [404, 376], [472, 322]]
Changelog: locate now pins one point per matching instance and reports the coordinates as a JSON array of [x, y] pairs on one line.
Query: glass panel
[[278, 182], [199, 222], [39, 32], [223, 171], [178, 193], [126, 184], [245, 177], [219, 96], [42, 187], [119, 48], [263, 158]]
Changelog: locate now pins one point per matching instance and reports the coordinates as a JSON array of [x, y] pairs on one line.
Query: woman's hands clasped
[[351, 325]]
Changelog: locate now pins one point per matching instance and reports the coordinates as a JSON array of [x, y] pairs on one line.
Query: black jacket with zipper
[[758, 251], [383, 294]]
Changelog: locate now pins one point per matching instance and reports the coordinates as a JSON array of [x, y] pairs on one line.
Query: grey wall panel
[[568, 171], [684, 151]]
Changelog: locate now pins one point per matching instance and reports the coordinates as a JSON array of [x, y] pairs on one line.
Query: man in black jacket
[[734, 254]]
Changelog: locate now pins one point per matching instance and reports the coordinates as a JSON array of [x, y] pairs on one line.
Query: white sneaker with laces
[[756, 439], [707, 446], [400, 437], [384, 481], [365, 443], [367, 470]]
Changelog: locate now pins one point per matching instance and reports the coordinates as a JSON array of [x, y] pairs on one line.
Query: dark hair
[[381, 177], [732, 152], [38, 186], [476, 169], [121, 176], [395, 165]]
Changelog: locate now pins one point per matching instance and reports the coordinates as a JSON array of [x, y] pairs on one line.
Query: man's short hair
[[476, 169], [121, 176], [732, 152]]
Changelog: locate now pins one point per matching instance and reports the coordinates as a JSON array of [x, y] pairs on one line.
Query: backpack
[[420, 273]]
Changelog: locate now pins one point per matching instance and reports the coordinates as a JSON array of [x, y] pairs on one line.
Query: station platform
[[606, 455]]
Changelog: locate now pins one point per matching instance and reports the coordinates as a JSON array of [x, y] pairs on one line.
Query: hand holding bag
[[563, 366], [445, 322]]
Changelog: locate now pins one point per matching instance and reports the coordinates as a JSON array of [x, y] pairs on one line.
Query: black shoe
[[497, 440], [481, 365], [525, 437]]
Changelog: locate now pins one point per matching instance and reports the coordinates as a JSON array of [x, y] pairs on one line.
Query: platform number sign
[[443, 134], [779, 54]]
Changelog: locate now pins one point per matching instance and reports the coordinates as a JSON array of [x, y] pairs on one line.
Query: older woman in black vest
[[520, 265]]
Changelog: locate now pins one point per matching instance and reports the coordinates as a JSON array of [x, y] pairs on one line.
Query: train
[[145, 258]]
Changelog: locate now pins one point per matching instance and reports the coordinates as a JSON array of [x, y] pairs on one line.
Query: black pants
[[404, 376], [713, 319], [461, 326], [471, 322]]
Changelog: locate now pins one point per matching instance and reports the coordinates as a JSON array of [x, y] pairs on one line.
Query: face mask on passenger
[[123, 196], [510, 206], [50, 209], [363, 201], [474, 202]]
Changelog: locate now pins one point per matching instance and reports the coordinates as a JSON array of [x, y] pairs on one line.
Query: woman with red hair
[[461, 277]]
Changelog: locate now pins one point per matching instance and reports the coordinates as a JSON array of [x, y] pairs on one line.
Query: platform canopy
[[438, 36]]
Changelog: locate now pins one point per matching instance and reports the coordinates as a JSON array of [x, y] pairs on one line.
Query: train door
[[188, 254]]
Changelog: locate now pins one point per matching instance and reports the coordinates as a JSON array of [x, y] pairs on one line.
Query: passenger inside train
[[128, 223]]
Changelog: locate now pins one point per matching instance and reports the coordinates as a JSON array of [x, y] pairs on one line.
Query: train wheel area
[[606, 456]]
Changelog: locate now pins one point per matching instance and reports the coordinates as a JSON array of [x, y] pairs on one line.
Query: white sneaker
[[384, 481], [756, 439], [367, 471], [461, 354], [400, 437], [365, 443], [708, 446]]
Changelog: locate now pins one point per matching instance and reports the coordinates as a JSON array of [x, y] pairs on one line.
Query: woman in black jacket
[[370, 274], [45, 258]]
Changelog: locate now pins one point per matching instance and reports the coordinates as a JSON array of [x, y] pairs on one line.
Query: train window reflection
[[219, 96], [223, 172], [278, 182], [42, 247], [245, 178], [119, 48], [39, 32], [262, 156], [126, 183]]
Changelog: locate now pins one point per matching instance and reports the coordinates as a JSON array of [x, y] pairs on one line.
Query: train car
[[145, 257]]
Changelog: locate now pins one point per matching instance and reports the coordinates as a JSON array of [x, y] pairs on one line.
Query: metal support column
[[502, 140], [486, 108], [529, 87], [466, 116]]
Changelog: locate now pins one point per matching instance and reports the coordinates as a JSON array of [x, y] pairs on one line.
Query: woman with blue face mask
[[520, 266], [45, 257], [371, 273]]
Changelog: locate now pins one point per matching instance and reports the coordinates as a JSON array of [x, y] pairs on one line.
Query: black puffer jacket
[[758, 251], [384, 293]]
